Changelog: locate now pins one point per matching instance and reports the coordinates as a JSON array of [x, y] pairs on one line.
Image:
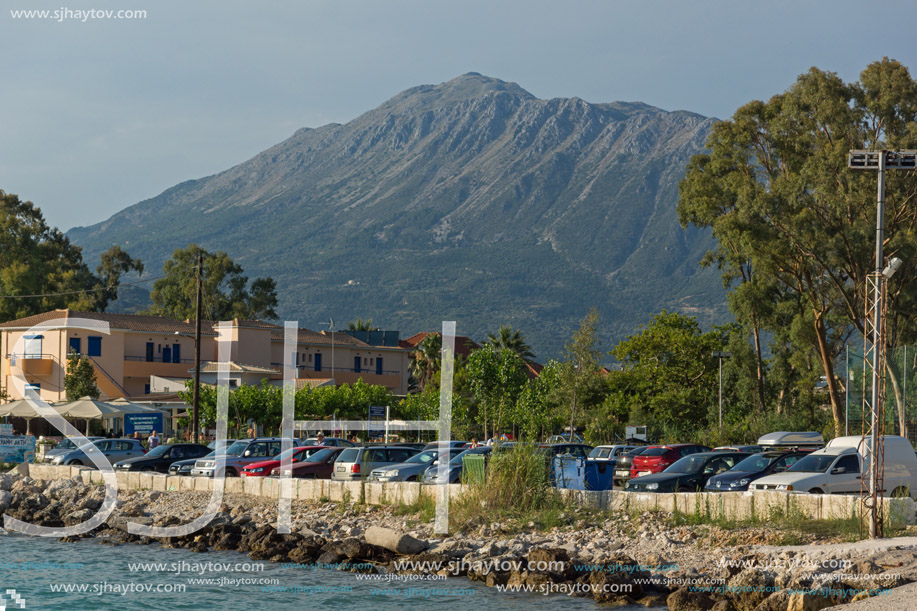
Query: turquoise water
[[147, 577]]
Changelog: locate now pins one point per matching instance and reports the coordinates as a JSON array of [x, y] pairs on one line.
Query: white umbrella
[[21, 408]]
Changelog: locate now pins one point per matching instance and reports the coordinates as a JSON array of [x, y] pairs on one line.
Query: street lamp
[[721, 356], [875, 315]]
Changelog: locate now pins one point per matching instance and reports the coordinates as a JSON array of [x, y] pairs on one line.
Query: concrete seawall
[[720, 505]]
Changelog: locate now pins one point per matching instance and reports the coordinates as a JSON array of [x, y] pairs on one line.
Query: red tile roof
[[463, 345], [117, 322]]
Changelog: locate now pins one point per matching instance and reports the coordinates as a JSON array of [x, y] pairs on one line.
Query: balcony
[[140, 367], [32, 364]]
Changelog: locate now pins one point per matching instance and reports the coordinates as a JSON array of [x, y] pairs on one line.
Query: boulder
[[394, 540], [684, 599]]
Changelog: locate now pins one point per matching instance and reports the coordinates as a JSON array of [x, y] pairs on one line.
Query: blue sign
[[142, 423], [376, 414], [17, 448]]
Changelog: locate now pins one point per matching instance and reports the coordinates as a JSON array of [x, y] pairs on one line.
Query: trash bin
[[473, 468]]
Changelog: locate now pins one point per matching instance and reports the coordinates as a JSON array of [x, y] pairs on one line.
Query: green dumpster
[[473, 468]]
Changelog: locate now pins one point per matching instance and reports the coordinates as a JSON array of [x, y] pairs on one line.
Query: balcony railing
[[370, 370], [144, 359]]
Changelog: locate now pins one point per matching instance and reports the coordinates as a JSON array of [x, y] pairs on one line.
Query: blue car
[[754, 467]]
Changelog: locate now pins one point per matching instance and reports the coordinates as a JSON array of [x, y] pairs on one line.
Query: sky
[[99, 113]]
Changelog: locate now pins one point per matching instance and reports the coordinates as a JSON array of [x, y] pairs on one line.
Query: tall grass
[[516, 488]]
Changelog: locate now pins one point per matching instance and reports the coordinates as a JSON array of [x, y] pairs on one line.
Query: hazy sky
[[100, 114]]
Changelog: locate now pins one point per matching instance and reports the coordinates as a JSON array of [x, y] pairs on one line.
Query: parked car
[[356, 463], [434, 445], [417, 447], [577, 450], [838, 467], [240, 454], [688, 474], [623, 464], [564, 439], [792, 439], [336, 442], [609, 453], [161, 457], [65, 445], [317, 466], [656, 459], [753, 468], [455, 467], [113, 449], [184, 467], [744, 449], [410, 470], [263, 468]]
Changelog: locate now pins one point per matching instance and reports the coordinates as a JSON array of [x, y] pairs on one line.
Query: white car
[[839, 467]]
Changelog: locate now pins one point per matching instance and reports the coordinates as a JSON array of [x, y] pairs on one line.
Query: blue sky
[[100, 114]]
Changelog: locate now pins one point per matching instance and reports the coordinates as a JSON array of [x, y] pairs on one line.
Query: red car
[[264, 468], [656, 459], [317, 466]]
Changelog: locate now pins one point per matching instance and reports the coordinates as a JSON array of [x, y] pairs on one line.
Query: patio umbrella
[[21, 408], [88, 408]]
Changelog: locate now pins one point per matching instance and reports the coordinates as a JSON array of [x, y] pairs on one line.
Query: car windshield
[[157, 452], [753, 464], [320, 455], [600, 453], [656, 452], [813, 463], [688, 464], [422, 458], [236, 449], [289, 453]]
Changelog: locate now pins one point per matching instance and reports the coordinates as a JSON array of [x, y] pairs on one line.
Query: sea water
[[43, 573]]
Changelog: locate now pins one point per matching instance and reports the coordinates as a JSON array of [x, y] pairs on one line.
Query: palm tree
[[361, 325], [513, 341], [426, 355]]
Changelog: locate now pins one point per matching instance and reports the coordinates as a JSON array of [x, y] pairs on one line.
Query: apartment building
[[139, 347]]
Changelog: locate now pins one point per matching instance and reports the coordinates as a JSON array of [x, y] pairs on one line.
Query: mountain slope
[[470, 200]]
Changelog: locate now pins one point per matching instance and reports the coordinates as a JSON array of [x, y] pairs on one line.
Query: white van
[[839, 467]]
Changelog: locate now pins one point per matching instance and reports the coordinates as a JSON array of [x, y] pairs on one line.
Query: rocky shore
[[618, 560]]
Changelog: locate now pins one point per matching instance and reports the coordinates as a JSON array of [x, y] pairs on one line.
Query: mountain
[[471, 200]]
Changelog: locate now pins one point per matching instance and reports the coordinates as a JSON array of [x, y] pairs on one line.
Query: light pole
[[721, 356], [875, 315]]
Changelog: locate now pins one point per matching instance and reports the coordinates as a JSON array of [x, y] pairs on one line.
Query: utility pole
[[874, 356], [196, 398], [721, 356]]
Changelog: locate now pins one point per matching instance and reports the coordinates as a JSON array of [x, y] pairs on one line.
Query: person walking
[[154, 439]]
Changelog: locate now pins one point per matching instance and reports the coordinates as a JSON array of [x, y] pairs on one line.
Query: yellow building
[[140, 346]]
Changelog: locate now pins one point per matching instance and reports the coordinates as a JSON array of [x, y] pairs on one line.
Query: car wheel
[[147, 469], [413, 478], [816, 491], [901, 492], [232, 473], [684, 489], [76, 463]]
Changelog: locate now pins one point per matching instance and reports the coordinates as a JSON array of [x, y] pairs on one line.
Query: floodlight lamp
[[893, 265]]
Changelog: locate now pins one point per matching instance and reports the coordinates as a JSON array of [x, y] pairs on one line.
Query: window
[[94, 345], [176, 353], [177, 452], [74, 345], [318, 362], [850, 464], [356, 364], [379, 366], [35, 388], [310, 358], [32, 346]]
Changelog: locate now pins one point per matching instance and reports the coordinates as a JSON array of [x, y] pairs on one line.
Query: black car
[[161, 457], [183, 467], [623, 463], [576, 450], [688, 474], [754, 467]]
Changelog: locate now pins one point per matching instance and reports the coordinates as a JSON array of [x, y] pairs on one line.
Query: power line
[[95, 290]]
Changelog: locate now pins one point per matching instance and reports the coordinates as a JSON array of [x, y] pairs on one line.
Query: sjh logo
[[15, 600]]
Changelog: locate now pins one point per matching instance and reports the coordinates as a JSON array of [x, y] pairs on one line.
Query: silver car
[[113, 449], [240, 454], [409, 470], [64, 446], [354, 464]]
